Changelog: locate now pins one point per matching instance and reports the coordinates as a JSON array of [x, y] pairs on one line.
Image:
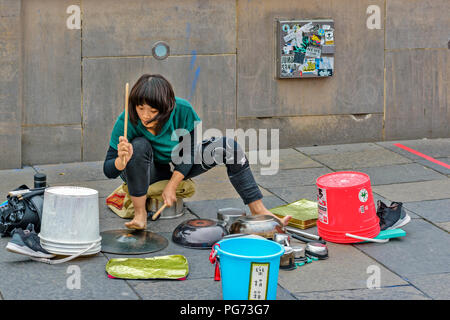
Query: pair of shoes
[[28, 243], [392, 217]]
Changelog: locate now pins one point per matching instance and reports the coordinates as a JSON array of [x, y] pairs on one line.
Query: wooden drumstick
[[126, 111], [156, 215], [125, 127]]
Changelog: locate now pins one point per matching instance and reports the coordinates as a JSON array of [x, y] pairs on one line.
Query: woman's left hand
[[169, 195]]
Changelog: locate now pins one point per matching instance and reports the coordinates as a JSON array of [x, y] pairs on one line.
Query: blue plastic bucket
[[249, 268]]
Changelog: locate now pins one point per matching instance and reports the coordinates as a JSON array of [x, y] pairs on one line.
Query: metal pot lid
[[198, 233], [126, 241]]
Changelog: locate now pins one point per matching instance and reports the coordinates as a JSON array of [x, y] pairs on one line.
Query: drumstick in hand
[[156, 215], [126, 111], [125, 128]]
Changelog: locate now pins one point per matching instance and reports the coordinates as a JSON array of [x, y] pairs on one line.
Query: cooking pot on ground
[[229, 215], [263, 225], [287, 260]]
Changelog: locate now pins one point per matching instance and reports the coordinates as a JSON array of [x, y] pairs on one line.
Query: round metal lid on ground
[[127, 242]]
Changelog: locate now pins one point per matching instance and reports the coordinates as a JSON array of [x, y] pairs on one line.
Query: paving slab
[[435, 148], [287, 159], [291, 178], [434, 285], [360, 159], [339, 148], [346, 268], [190, 289], [444, 226], [386, 293], [11, 179], [197, 289], [410, 172], [72, 172], [423, 251], [213, 184], [415, 191], [30, 280], [436, 211], [436, 166], [216, 190], [291, 194]]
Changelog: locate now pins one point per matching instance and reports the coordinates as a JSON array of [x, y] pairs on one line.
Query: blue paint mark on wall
[[193, 75], [193, 58]]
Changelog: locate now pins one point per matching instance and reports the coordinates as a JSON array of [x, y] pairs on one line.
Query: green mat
[[163, 267], [304, 213]]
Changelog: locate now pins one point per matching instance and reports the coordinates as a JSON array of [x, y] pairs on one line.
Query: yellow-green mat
[[163, 267]]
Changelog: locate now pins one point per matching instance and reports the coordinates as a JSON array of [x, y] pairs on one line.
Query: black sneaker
[[392, 217], [28, 243]]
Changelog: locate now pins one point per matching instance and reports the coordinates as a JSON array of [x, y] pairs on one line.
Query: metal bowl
[[262, 225], [229, 215], [198, 233]]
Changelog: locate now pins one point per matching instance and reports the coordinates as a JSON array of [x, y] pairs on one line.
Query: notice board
[[305, 48]]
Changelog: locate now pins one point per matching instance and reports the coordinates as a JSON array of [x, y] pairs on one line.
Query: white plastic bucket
[[70, 221]]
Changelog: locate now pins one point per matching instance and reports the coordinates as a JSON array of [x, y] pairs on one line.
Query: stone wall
[[61, 89]]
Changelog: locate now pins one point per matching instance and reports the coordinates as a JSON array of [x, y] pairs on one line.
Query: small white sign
[[259, 278]]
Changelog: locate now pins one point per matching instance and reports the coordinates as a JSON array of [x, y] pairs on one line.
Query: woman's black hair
[[153, 90]]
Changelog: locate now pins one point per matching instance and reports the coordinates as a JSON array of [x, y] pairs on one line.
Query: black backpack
[[21, 210]]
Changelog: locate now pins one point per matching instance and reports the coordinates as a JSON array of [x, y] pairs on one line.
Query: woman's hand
[[169, 195], [125, 152]]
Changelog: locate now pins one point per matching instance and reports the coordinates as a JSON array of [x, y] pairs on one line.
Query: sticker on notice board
[[313, 52], [259, 281]]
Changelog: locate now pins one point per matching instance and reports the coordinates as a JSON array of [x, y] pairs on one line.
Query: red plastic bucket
[[346, 205]]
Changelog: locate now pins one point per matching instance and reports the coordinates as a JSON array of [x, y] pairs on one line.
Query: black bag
[[22, 210]]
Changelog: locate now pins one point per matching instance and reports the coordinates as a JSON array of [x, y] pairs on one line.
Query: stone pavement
[[414, 267]]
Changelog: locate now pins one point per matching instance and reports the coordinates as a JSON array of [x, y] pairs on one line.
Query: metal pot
[[299, 252], [262, 225], [229, 215], [287, 260], [317, 249], [173, 212], [281, 238]]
